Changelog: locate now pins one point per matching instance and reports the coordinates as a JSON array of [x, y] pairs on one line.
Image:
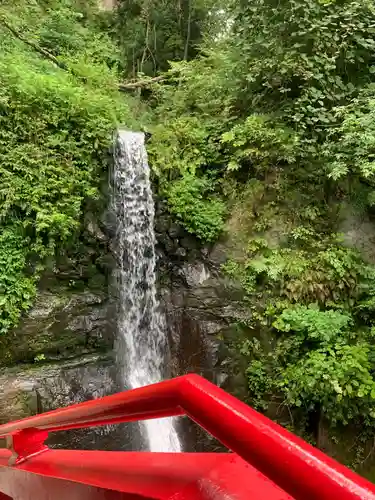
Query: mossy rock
[[62, 324]]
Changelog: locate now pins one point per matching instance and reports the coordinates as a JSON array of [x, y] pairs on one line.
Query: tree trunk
[[146, 45], [188, 32], [34, 45]]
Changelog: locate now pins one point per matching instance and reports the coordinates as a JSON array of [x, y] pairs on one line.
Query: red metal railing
[[298, 468]]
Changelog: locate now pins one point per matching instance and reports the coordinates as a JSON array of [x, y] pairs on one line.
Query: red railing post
[[25, 444]]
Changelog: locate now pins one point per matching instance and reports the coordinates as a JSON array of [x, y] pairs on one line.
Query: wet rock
[[205, 251], [45, 304], [62, 350], [166, 242], [161, 208], [221, 379], [218, 255], [175, 230], [200, 308], [358, 231], [92, 227], [109, 220], [195, 274], [181, 252], [189, 243], [162, 224], [29, 390], [62, 324]]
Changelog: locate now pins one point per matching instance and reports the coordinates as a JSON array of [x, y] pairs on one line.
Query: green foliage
[[326, 273], [189, 199], [260, 141], [303, 57], [350, 149], [312, 324], [40, 358], [284, 98], [17, 287], [317, 302], [55, 130], [319, 363], [179, 154], [272, 110], [184, 147]]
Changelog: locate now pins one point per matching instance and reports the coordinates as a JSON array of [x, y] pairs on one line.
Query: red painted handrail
[[300, 469]]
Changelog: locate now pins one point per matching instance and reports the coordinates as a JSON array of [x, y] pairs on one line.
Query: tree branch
[[34, 45], [126, 86], [142, 83]]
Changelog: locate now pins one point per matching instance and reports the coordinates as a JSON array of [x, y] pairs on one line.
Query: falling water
[[142, 340]]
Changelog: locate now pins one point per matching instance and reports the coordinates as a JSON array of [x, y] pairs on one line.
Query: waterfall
[[142, 342]]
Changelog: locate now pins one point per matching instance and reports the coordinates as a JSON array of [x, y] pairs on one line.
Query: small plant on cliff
[[39, 358]]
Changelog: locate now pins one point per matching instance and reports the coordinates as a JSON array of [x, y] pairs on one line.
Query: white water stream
[[142, 343]]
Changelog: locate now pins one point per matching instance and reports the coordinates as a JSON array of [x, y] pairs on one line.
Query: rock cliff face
[[33, 389], [201, 307], [61, 354], [63, 323], [201, 304], [204, 308], [62, 351]]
